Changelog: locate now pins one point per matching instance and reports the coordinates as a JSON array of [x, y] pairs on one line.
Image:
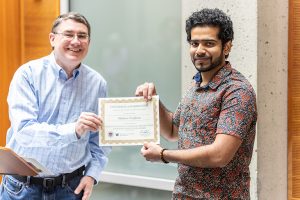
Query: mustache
[[201, 57]]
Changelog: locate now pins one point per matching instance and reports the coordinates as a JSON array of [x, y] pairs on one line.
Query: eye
[[194, 44], [209, 44], [68, 35], [82, 36]]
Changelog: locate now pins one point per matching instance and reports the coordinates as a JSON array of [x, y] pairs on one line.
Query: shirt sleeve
[[99, 153], [99, 157], [176, 115], [238, 113], [24, 117]]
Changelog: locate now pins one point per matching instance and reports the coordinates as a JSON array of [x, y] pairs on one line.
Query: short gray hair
[[73, 16]]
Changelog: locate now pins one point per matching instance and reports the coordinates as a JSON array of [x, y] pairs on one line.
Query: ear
[[227, 48], [51, 39]]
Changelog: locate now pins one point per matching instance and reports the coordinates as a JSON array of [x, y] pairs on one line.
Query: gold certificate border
[[155, 103]]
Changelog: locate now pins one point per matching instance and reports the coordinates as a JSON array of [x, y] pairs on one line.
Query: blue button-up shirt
[[43, 108]]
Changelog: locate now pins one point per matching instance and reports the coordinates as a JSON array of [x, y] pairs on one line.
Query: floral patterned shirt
[[227, 105]]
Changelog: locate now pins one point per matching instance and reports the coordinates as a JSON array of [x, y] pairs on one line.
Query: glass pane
[[134, 41]]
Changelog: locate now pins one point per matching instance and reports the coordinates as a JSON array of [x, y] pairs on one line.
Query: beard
[[214, 64]]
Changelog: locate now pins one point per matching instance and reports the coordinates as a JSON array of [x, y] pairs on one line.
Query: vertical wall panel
[[10, 55], [24, 30], [294, 102], [36, 21]]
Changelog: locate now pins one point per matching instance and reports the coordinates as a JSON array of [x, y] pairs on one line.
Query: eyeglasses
[[83, 37]]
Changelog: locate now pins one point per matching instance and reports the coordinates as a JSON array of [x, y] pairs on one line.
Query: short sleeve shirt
[[227, 105]]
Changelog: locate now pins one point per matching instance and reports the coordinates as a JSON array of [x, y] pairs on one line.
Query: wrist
[[162, 156], [77, 134]]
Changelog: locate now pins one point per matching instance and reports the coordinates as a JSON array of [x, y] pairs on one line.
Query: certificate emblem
[[129, 121], [110, 134]]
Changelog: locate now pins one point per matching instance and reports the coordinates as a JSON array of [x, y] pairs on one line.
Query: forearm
[[167, 128], [204, 157], [28, 126], [37, 134], [217, 154]]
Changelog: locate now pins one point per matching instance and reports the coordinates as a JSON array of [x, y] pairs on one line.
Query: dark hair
[[74, 16], [211, 17]]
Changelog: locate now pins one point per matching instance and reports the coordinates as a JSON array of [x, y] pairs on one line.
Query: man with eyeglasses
[[52, 105]]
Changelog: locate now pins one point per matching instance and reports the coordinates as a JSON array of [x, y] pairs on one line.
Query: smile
[[74, 50]]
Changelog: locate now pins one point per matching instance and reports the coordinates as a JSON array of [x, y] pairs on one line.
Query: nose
[[75, 39], [200, 50]]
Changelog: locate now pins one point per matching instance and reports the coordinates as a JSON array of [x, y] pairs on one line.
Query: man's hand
[[86, 184], [147, 90], [151, 152], [87, 122]]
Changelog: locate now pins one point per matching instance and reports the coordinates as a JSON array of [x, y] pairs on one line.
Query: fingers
[[144, 148], [146, 145], [86, 184], [151, 90], [147, 90], [151, 151], [86, 195], [79, 188], [143, 151], [87, 122], [91, 120], [138, 91]]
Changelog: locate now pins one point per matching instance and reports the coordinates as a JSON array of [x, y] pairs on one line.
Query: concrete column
[[272, 99]]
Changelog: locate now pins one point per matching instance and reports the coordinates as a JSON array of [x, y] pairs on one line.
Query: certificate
[[129, 121]]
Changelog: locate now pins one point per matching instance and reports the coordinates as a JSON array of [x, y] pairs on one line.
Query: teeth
[[75, 50]]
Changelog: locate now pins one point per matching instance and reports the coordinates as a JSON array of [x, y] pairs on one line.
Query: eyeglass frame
[[82, 37]]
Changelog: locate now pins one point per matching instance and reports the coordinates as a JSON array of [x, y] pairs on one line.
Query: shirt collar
[[60, 71], [217, 79]]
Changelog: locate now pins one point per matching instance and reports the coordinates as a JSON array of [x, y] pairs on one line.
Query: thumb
[[146, 145]]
